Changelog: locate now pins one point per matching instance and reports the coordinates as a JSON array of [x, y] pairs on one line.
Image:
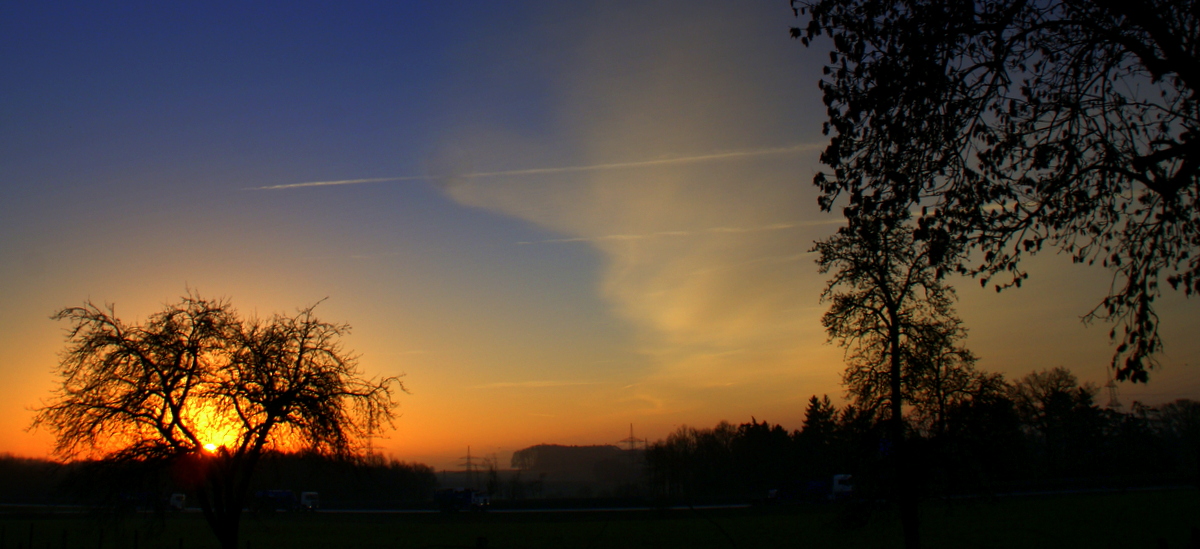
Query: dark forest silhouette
[[1043, 432]]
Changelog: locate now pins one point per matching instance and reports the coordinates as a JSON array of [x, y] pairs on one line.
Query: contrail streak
[[645, 163], [332, 183], [562, 169]]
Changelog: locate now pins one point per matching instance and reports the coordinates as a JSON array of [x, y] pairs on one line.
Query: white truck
[[310, 501]]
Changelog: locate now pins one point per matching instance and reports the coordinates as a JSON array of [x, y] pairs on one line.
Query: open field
[[1125, 520]]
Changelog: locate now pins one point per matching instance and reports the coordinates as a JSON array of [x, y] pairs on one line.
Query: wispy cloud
[[729, 155], [536, 384]]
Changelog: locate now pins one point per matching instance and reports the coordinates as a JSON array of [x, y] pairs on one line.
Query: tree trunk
[[904, 488], [227, 535], [222, 518], [223, 495]]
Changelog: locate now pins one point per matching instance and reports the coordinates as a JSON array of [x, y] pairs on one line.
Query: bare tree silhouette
[[944, 376], [887, 304], [197, 388]]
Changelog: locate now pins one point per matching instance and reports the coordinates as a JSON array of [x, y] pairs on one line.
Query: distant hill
[[605, 464]]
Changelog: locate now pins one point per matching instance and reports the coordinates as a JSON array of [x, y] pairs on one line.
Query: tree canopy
[[1012, 125], [891, 311], [201, 389]]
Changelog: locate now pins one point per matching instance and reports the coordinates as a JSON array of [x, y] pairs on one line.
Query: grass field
[[1125, 520]]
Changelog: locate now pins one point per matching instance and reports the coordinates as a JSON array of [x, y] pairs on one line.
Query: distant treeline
[[1044, 431], [26, 480], [370, 481]]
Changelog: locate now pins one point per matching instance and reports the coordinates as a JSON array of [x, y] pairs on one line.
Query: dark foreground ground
[[1144, 519]]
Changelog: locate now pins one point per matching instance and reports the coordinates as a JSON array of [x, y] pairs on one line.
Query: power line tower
[[635, 458], [1111, 386], [468, 465], [633, 441]]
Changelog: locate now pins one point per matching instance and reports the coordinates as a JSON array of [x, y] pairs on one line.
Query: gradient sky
[[555, 218]]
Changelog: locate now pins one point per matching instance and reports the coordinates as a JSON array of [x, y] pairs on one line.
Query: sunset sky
[[555, 218]]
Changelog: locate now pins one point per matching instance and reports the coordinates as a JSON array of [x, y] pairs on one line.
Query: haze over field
[[556, 219]]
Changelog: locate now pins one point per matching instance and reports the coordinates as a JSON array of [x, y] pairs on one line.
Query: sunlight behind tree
[[199, 388]]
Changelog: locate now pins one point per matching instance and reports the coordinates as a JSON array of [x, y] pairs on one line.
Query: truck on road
[[461, 499]]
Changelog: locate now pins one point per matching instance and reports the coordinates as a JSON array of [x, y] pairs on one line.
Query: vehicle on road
[[461, 499]]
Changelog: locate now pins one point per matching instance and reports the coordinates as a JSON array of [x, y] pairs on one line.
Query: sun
[[214, 429]]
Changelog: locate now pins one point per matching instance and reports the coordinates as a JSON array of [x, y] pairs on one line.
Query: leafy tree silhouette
[[1013, 125], [201, 390], [1061, 416]]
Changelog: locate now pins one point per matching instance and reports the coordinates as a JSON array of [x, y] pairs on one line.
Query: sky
[[554, 219]]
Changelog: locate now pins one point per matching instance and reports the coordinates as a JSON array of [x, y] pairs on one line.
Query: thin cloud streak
[[803, 147], [710, 231]]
